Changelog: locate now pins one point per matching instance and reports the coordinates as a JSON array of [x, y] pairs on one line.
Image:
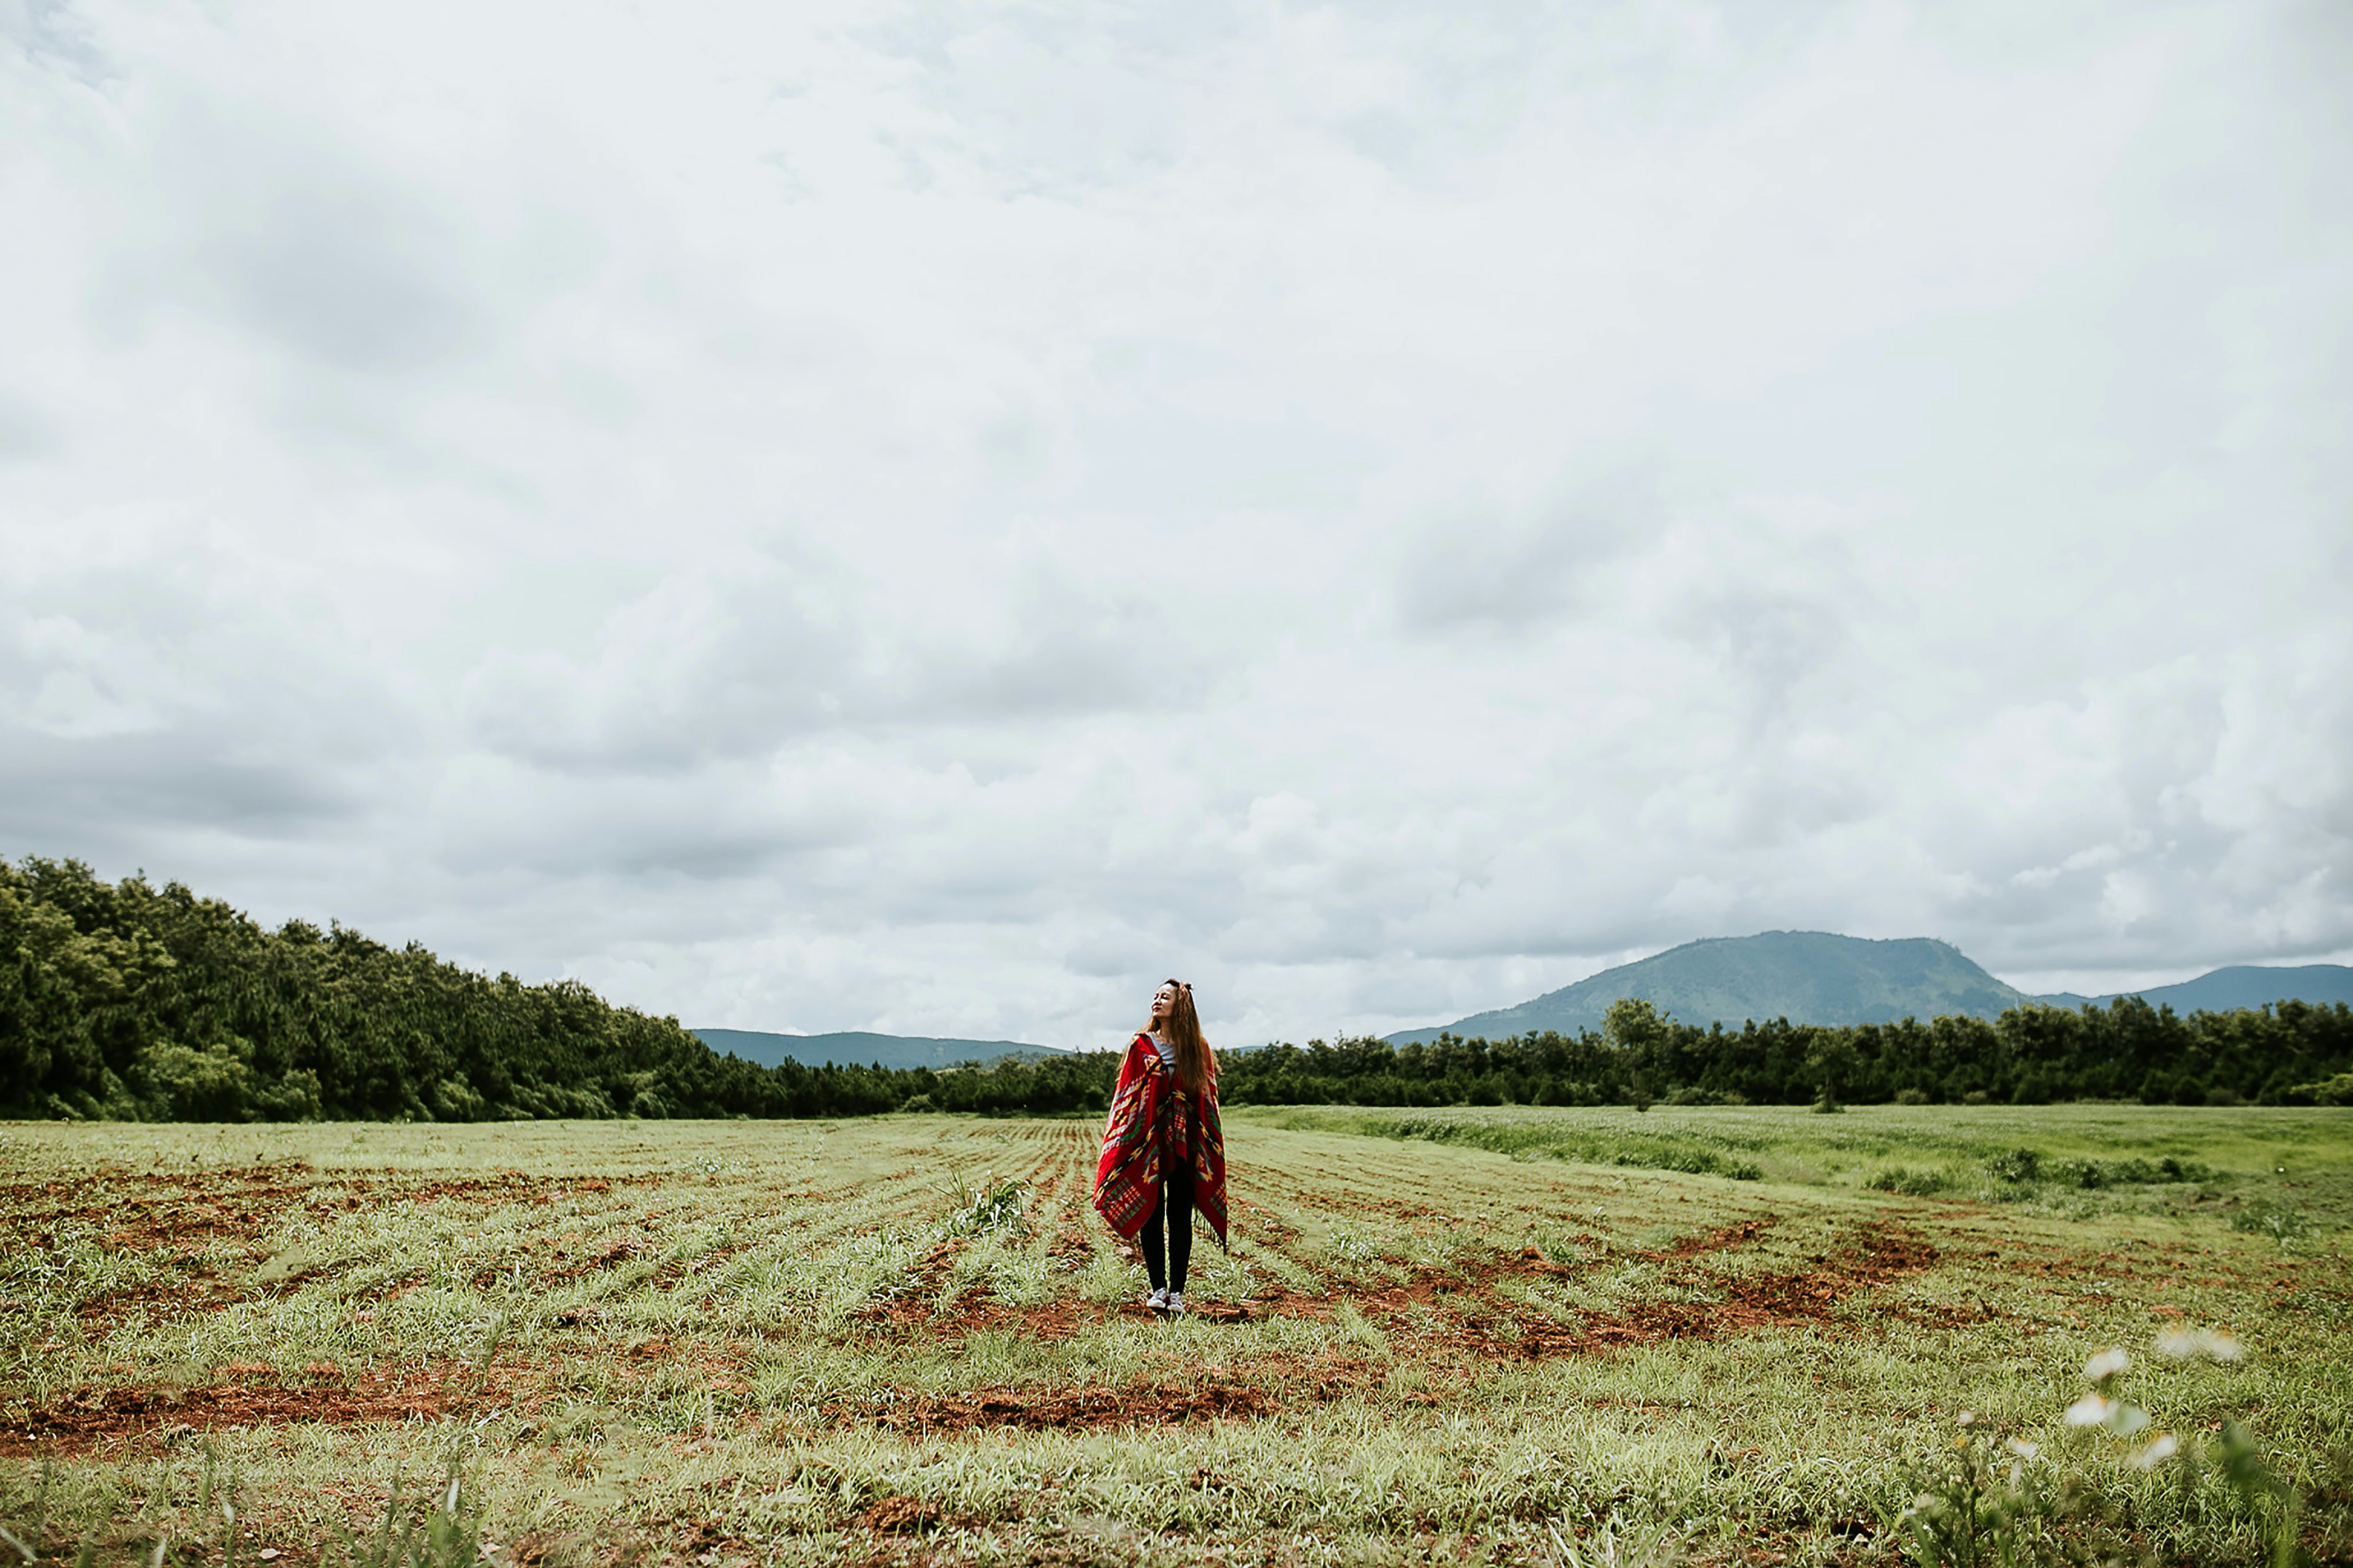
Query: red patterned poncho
[[1153, 1126]]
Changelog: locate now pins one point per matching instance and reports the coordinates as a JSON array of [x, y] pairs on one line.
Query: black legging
[[1175, 1205]]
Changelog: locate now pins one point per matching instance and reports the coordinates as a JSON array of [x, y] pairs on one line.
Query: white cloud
[[933, 519]]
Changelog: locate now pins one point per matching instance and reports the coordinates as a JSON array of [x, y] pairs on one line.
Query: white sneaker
[[1174, 1305], [1158, 1300]]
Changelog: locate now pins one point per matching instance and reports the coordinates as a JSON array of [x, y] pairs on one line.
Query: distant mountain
[[858, 1048], [1805, 976], [2240, 986]]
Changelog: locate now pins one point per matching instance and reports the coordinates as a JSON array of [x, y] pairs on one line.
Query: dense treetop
[[2293, 1053]]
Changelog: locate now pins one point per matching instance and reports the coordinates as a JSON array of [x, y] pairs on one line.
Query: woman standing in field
[[1164, 1149]]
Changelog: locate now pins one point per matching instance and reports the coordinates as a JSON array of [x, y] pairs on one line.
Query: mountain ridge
[[861, 1047], [2234, 986], [1824, 977]]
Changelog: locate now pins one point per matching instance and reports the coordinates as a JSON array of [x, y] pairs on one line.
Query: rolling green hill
[[860, 1049], [1807, 976], [2240, 986]]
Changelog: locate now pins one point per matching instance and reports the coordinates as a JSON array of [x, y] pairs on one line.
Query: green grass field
[[1516, 1335]]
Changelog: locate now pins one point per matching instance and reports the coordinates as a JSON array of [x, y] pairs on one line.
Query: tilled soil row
[[1097, 1407], [156, 1211], [77, 1425], [1452, 1319]]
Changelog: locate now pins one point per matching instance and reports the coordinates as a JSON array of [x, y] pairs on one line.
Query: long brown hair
[[1197, 1065]]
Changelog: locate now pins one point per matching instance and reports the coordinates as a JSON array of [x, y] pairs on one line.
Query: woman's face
[[1164, 1002]]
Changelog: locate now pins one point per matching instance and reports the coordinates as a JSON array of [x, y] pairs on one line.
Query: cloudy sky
[[930, 518]]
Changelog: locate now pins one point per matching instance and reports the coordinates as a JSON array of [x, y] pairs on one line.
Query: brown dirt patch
[[250, 1395], [1072, 1245], [1462, 1310], [702, 1542], [152, 1211], [981, 1312], [1093, 1408], [200, 1291], [580, 1265], [1720, 1240], [144, 1213], [915, 1303], [1765, 1301], [1269, 1227], [899, 1514], [1945, 1315], [1277, 1382], [1376, 1204]]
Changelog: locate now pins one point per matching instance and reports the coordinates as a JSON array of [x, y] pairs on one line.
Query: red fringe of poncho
[[1155, 1127]]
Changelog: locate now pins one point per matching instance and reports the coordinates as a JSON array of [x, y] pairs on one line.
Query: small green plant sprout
[[2019, 1166], [1614, 1544], [992, 1205], [1979, 1505], [2283, 1223], [447, 1536], [2001, 1505]]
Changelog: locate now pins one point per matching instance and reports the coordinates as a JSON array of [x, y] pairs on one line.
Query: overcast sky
[[932, 517]]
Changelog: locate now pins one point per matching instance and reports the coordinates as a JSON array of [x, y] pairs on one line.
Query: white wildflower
[[2023, 1449], [2092, 1410], [2098, 1410], [2214, 1344], [2105, 1363], [2157, 1453]]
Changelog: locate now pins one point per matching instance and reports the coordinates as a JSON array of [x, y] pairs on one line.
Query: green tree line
[[132, 1002], [2291, 1054], [127, 1001]]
